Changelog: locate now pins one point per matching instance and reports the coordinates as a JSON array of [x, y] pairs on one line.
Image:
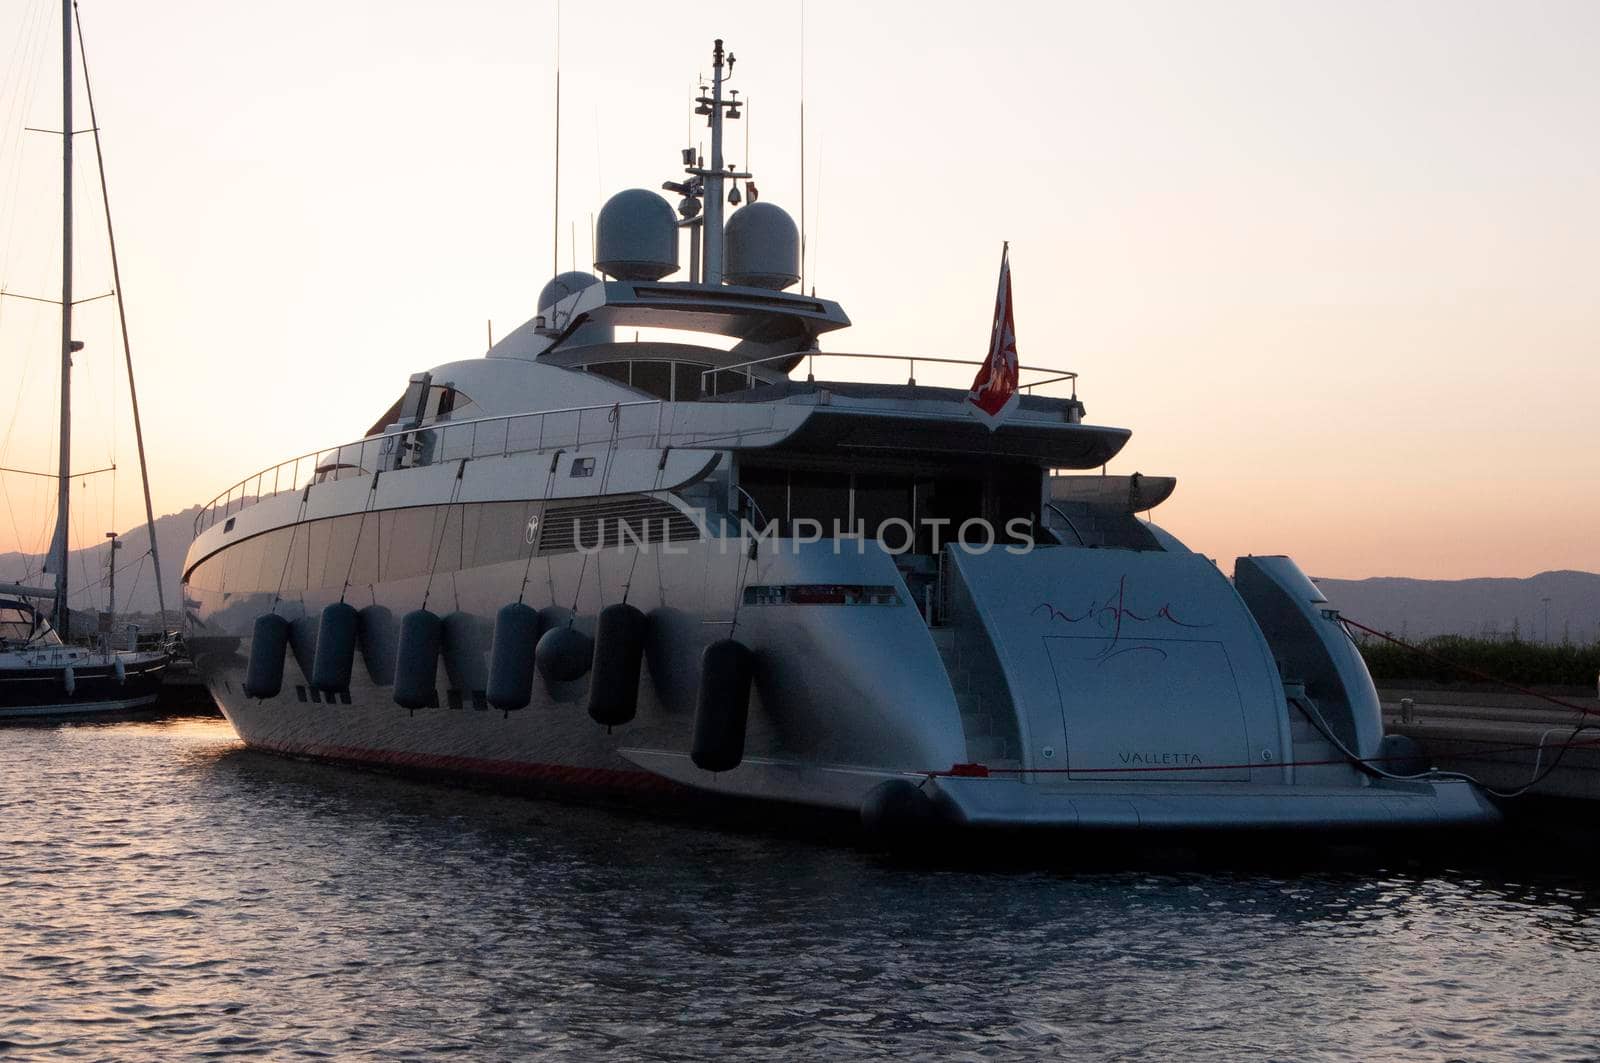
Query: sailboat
[[41, 673]]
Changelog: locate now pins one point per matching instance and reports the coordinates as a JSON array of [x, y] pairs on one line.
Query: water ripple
[[166, 894]]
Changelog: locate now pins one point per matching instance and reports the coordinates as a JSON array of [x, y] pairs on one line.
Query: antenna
[[599, 170], [555, 211], [816, 224], [802, 145]]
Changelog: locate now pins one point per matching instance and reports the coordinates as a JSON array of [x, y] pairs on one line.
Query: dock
[[1493, 736]]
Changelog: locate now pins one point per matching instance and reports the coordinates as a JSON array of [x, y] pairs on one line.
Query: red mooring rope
[[1485, 676]]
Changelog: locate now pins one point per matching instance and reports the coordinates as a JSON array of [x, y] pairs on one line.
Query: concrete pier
[[1472, 732]]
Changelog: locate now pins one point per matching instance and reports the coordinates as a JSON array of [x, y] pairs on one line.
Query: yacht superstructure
[[672, 567]]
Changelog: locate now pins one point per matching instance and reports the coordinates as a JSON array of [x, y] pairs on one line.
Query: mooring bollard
[[1407, 710]]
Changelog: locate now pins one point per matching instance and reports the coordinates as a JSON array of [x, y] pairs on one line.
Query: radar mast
[[707, 182]]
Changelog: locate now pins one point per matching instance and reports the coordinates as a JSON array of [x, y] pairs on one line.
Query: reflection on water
[[165, 893]]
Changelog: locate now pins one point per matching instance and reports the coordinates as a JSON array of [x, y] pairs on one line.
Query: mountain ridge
[[136, 587], [1481, 606]]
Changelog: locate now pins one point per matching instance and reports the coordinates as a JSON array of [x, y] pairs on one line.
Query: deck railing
[[445, 441], [711, 378], [439, 442]]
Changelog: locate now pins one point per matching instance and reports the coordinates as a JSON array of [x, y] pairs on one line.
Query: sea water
[[167, 894]]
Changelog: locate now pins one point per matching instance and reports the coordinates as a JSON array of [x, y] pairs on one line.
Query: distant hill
[[1492, 608], [136, 585]]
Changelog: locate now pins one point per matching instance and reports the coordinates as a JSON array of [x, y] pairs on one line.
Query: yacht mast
[[711, 259], [64, 472]]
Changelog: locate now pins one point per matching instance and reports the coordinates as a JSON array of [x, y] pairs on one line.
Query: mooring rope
[[444, 530], [615, 417], [1458, 666], [372, 494], [666, 525]]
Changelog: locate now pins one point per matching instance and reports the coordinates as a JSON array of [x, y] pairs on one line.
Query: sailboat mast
[[127, 349], [64, 481]]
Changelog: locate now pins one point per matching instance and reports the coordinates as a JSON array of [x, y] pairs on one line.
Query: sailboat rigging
[[41, 674]]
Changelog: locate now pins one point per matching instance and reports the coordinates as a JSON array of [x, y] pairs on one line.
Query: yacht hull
[[898, 714], [847, 697], [1013, 802], [550, 752]]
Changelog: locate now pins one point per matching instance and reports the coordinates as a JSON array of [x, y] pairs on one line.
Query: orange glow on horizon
[[1332, 265]]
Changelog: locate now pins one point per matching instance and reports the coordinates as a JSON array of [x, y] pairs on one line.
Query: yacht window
[[618, 371], [582, 467], [729, 380], [769, 488], [1016, 490], [880, 500], [872, 504], [445, 403], [820, 496], [674, 381], [953, 500], [653, 378], [686, 381]]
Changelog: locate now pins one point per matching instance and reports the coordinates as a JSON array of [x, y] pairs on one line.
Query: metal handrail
[[754, 505], [1061, 374], [1052, 507], [239, 493]]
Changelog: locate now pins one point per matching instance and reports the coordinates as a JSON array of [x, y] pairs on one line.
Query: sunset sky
[[1334, 264]]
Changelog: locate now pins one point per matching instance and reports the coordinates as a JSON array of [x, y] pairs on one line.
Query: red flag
[[994, 389]]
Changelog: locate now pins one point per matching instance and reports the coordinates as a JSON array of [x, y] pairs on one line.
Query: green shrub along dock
[[1442, 697], [1452, 660]]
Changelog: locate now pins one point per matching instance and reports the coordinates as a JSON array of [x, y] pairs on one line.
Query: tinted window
[[654, 378], [617, 371], [770, 489], [729, 380], [686, 380], [880, 499], [820, 496]]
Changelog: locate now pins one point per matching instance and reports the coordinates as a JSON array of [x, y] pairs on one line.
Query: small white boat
[[677, 570]]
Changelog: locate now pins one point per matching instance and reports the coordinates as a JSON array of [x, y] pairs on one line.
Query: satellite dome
[[762, 247], [636, 237], [563, 285]]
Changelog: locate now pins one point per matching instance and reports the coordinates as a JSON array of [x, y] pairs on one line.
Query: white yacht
[[608, 564]]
